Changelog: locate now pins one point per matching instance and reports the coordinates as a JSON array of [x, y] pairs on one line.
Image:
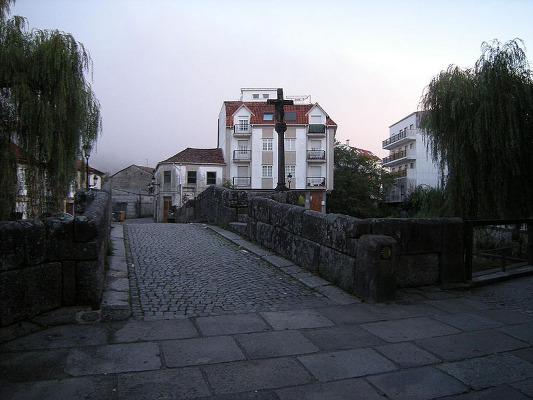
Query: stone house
[[130, 191], [183, 176]]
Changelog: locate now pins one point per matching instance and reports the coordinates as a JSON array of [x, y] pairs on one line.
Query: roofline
[[415, 112]]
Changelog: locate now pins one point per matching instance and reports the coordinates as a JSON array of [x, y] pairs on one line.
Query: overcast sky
[[162, 68]]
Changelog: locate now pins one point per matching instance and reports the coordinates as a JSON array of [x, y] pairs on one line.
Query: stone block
[[275, 344], [452, 268], [69, 282], [417, 270], [336, 231], [278, 215], [337, 268], [198, 351], [27, 292], [306, 254], [283, 242], [314, 227], [90, 282], [260, 209], [264, 234], [375, 272], [21, 243]]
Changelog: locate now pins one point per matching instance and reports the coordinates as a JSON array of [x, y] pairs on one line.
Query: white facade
[[249, 143], [409, 159]]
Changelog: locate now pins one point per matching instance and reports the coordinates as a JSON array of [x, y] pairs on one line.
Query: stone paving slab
[[86, 388], [230, 324], [60, 336], [346, 389], [525, 387], [256, 375], [407, 355], [523, 332], [409, 329], [166, 384], [468, 321], [346, 364], [114, 358], [419, 383], [470, 344], [33, 365], [138, 331], [492, 370], [341, 337], [210, 350], [296, 319], [275, 344]]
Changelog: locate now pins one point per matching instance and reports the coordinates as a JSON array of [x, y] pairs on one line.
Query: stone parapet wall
[[53, 262]]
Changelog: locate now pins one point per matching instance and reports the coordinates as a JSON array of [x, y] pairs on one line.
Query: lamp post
[[289, 179], [87, 152]]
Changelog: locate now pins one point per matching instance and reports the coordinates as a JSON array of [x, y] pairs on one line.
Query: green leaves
[[479, 122], [48, 108]]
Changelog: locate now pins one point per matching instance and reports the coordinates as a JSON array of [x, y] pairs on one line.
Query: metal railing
[[242, 155], [406, 134], [318, 155], [497, 245], [242, 128], [242, 181], [316, 181]]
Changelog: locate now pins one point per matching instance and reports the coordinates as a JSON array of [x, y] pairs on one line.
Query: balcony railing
[[242, 155], [316, 181], [399, 155], [399, 174], [408, 134], [242, 129], [316, 155], [242, 181]]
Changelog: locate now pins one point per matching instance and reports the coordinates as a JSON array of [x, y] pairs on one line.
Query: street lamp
[[289, 179], [87, 152], [95, 181], [152, 185]]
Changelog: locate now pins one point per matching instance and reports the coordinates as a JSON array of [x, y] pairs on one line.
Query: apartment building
[[409, 159], [249, 144]]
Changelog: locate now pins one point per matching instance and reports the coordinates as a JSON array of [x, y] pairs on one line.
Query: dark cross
[[281, 127]]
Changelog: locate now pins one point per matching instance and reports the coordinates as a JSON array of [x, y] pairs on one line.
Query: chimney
[[348, 142]]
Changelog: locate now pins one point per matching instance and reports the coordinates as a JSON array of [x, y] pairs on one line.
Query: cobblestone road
[[187, 270]]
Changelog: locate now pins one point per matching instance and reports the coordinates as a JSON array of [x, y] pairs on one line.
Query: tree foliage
[[480, 125], [427, 202], [48, 109], [358, 186]]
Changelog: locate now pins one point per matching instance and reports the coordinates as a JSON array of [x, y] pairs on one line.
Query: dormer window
[[268, 116], [290, 115]]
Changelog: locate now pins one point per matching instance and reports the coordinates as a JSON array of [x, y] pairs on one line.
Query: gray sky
[[162, 68]]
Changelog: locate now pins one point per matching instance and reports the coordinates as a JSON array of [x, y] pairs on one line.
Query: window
[[267, 144], [166, 177], [290, 115], [290, 144], [411, 145], [268, 116], [255, 95], [411, 126], [211, 178], [266, 96], [412, 165], [191, 176], [266, 171]]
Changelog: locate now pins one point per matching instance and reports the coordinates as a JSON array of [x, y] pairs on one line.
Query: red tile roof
[[258, 108], [198, 156], [366, 153]]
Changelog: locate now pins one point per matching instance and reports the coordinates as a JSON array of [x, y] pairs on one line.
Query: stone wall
[[366, 257], [54, 262]]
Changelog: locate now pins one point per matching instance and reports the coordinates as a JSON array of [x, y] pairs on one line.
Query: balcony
[[242, 155], [316, 181], [399, 139], [242, 130], [316, 130], [397, 158], [399, 174], [242, 181], [316, 155]]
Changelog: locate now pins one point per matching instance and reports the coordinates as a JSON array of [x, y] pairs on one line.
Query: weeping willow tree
[[479, 122], [48, 111]]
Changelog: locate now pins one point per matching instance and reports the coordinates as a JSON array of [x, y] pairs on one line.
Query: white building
[[409, 159], [249, 144], [184, 175]]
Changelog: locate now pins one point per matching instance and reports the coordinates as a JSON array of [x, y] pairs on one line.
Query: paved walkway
[[308, 342]]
